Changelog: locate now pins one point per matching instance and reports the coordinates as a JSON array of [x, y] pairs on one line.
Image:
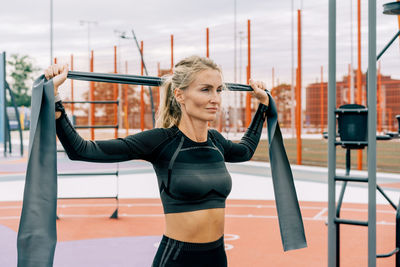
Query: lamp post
[[51, 32], [124, 36], [88, 23]]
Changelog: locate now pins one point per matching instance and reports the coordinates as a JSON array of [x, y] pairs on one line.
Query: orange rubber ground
[[252, 235]]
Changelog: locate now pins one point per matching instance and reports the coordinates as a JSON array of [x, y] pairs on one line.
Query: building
[[388, 99]]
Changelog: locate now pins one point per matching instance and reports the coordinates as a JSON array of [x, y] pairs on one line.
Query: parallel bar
[[113, 197], [351, 222], [96, 127], [92, 102], [371, 153], [332, 226], [351, 179], [87, 174]]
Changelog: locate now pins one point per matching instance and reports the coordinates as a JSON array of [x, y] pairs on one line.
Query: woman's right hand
[[58, 73]]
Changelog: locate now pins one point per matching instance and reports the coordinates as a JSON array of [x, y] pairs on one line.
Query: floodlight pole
[[145, 70], [51, 32]]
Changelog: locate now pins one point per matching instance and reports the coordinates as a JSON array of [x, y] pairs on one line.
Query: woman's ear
[[179, 96]]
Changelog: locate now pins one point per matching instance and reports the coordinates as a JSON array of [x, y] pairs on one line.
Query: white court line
[[319, 214], [228, 206], [162, 215]]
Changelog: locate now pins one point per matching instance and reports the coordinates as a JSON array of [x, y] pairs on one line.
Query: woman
[[188, 158]]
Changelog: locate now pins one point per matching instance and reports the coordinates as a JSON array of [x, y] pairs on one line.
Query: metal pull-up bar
[[136, 79]]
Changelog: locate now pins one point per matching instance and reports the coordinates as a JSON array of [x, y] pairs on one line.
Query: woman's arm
[[138, 146], [244, 150]]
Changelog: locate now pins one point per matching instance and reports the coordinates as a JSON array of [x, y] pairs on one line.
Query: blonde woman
[[188, 158]]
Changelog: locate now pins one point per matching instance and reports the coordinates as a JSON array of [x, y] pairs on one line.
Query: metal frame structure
[[5, 131], [334, 210], [114, 215], [3, 99]]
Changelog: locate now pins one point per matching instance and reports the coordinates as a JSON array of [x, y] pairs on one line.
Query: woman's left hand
[[259, 91]]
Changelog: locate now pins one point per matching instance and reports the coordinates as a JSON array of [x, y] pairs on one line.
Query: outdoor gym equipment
[[353, 137]]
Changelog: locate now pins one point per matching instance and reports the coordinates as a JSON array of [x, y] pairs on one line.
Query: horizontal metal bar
[[95, 126], [135, 79], [113, 197], [92, 102], [87, 173], [351, 179], [396, 250], [352, 222]]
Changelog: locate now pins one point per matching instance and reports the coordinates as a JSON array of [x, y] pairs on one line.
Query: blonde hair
[[169, 112]]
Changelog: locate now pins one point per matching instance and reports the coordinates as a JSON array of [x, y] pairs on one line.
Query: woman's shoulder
[[155, 134], [216, 135]]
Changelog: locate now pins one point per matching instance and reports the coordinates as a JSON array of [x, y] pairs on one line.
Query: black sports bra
[[191, 175]]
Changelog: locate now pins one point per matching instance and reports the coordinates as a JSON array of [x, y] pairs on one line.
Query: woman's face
[[202, 99]]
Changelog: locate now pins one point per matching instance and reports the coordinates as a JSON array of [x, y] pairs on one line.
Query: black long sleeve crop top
[[191, 175]]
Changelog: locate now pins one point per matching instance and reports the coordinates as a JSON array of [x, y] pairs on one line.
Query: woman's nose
[[215, 97]]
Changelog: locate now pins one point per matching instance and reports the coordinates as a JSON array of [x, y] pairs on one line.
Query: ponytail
[[169, 112]]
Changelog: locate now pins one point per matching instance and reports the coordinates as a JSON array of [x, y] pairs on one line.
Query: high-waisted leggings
[[175, 253]]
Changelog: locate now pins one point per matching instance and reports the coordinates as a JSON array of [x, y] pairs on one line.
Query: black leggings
[[175, 253]]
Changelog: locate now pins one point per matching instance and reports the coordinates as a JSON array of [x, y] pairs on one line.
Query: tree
[[21, 70]]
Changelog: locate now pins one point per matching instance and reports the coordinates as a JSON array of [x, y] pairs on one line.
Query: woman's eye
[[219, 90], [204, 90]]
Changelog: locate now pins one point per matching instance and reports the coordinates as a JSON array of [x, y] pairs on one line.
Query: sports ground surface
[[88, 237]]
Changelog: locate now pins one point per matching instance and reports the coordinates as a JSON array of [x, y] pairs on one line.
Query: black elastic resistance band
[[135, 79]]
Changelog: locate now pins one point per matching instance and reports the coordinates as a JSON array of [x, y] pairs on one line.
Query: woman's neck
[[195, 130]]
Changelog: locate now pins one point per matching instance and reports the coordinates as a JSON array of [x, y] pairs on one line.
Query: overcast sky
[[24, 29]]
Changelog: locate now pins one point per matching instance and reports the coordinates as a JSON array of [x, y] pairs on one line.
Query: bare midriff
[[200, 226]]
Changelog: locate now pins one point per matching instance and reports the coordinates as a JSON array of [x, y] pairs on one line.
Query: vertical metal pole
[[142, 91], [92, 107], [51, 32], [248, 97], [172, 52], [72, 87], [126, 102], [359, 75], [298, 96], [208, 42], [371, 133], [3, 100], [273, 78], [115, 94], [322, 100], [292, 110], [234, 43], [331, 134], [379, 99], [351, 88]]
